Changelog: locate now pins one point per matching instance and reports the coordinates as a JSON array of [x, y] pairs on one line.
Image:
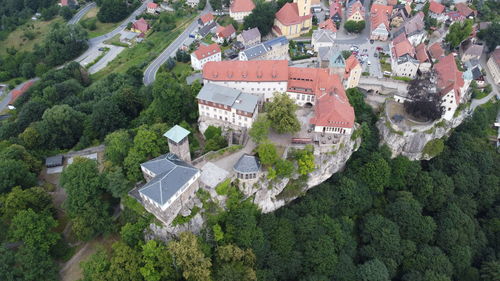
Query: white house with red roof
[[352, 72], [451, 85], [239, 9], [423, 57], [152, 8], [293, 19], [436, 51], [403, 61], [436, 10], [355, 11], [225, 33], [379, 22], [206, 19], [205, 54], [140, 26]]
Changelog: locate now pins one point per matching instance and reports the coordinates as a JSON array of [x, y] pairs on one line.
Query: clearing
[[101, 28], [27, 35]]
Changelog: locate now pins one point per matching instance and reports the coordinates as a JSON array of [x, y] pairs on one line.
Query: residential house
[[206, 19], [247, 168], [227, 107], [423, 58], [455, 16], [436, 10], [293, 19], [274, 49], [352, 72], [494, 65], [249, 37], [192, 3], [322, 38], [472, 51], [68, 3], [328, 24], [403, 62], [205, 54], [152, 8], [379, 22], [225, 33], [465, 11], [140, 26], [355, 11], [475, 68], [414, 29], [400, 14], [391, 3], [206, 29], [18, 92], [451, 85], [436, 52], [336, 11], [380, 2], [239, 9]]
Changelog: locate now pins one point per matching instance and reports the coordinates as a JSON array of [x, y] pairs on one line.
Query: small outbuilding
[[247, 167], [54, 161]]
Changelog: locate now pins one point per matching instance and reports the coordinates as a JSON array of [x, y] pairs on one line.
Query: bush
[[354, 27], [223, 187], [433, 147]]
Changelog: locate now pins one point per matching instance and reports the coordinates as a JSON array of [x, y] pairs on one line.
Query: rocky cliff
[[411, 143]]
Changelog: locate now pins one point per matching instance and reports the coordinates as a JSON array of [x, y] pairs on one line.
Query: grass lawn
[[181, 68], [142, 54], [386, 66], [101, 28], [208, 39], [18, 39]]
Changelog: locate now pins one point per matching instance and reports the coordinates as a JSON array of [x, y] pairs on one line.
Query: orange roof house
[[436, 51], [225, 33], [293, 19], [356, 11], [449, 77], [250, 71], [328, 24], [464, 10], [140, 26], [206, 51], [206, 19], [421, 53], [379, 22], [436, 8], [239, 9]]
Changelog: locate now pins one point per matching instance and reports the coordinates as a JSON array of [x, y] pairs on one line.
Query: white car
[[369, 63]]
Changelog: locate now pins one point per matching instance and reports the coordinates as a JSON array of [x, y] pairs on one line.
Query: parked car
[[380, 49], [369, 62], [375, 55], [388, 73]]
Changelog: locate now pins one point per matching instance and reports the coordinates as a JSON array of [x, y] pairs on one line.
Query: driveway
[[78, 16], [152, 69]]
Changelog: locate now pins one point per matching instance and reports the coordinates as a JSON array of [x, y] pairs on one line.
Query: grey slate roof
[[171, 175], [264, 47], [324, 53], [54, 161], [337, 60], [323, 35], [207, 29], [176, 133], [247, 164], [275, 41], [228, 96]]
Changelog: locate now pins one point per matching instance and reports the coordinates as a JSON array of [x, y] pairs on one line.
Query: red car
[[380, 49]]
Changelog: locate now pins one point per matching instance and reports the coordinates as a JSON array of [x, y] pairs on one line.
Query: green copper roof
[[337, 60], [176, 134]]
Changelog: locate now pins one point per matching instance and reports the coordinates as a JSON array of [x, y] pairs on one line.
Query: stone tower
[[304, 7], [337, 64], [178, 142]]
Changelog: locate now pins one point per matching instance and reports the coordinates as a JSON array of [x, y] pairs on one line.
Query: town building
[[355, 10], [352, 73], [414, 29], [140, 26], [494, 65], [403, 62], [436, 51], [451, 85], [259, 77], [400, 14], [472, 51], [423, 58], [207, 29], [436, 11], [249, 37], [152, 8], [227, 107], [225, 33], [465, 10], [379, 22], [274, 49], [475, 68], [205, 54], [206, 19], [170, 180], [322, 38], [328, 24], [293, 19], [247, 168], [454, 16], [336, 11], [239, 9]]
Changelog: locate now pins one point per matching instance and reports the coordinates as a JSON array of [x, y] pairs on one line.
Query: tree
[[189, 258], [260, 129], [158, 262], [66, 13], [373, 270], [284, 168], [267, 153], [118, 145], [34, 230], [133, 233], [65, 125], [85, 203], [281, 114], [15, 173], [491, 35], [106, 117], [351, 198], [112, 10], [234, 263], [62, 43], [35, 198], [262, 17], [125, 263], [305, 161], [96, 266], [7, 264], [375, 173], [490, 271], [116, 183], [214, 139], [354, 26], [458, 32]]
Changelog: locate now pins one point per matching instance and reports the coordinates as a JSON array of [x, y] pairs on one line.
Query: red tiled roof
[[289, 15], [225, 31], [377, 18], [350, 63], [64, 3], [207, 51], [421, 53], [239, 6], [449, 77], [392, 2], [377, 8], [206, 18], [436, 7], [436, 51], [19, 92], [259, 70], [141, 25], [336, 7], [464, 10], [328, 24], [403, 47], [355, 7], [152, 5], [456, 16]]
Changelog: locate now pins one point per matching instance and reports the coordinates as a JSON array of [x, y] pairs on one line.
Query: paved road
[[152, 69], [78, 16], [97, 40], [5, 101]]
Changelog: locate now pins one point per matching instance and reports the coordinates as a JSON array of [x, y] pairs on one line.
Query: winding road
[[152, 69], [79, 15]]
